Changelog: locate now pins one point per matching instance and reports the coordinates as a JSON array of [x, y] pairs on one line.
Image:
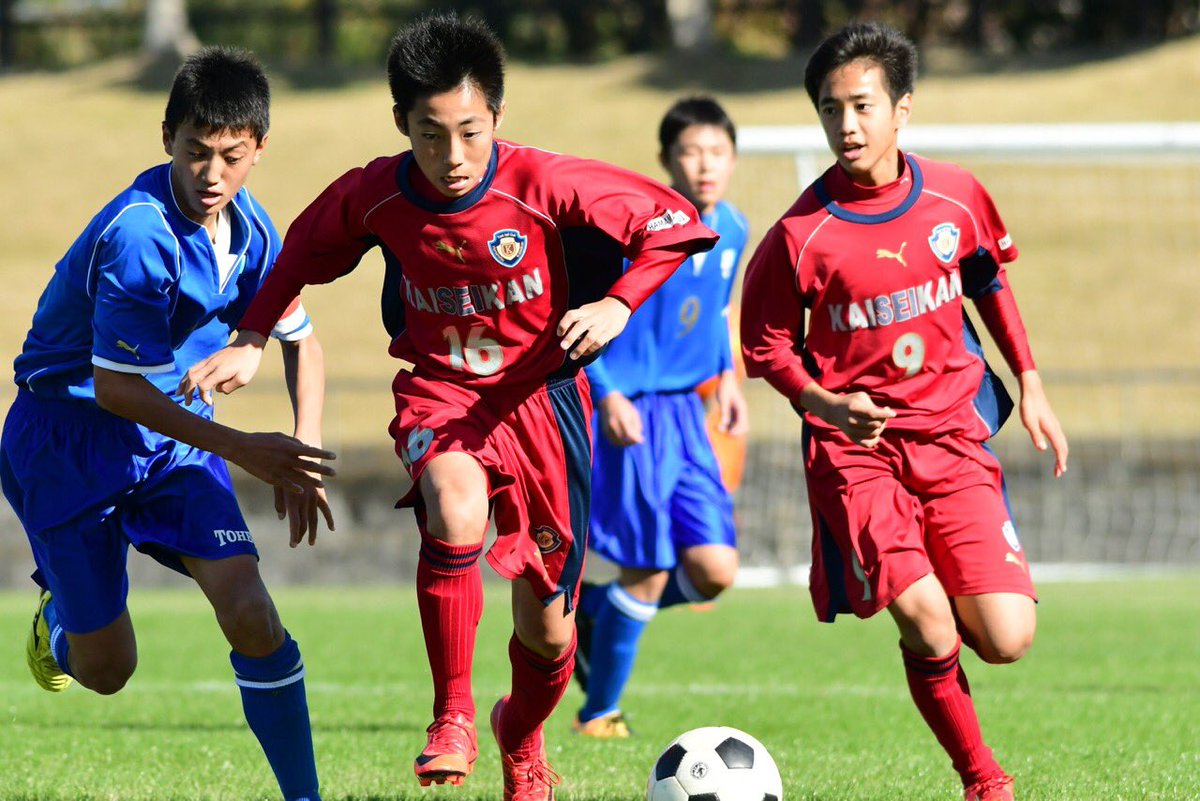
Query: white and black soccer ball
[[715, 763]]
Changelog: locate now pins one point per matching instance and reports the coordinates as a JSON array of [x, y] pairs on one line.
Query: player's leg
[[977, 550], [63, 467], [267, 666], [930, 647], [999, 626], [703, 531], [973, 547], [542, 654], [630, 526], [82, 627], [628, 605], [452, 517]]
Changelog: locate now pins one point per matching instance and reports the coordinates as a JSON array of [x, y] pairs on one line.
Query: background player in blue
[[659, 508], [96, 454]]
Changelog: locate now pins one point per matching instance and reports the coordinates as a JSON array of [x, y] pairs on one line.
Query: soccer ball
[[715, 763]]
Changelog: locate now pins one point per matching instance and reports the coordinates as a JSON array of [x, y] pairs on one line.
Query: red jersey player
[[486, 299], [909, 507]]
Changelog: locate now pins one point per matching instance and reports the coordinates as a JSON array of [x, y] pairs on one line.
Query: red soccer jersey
[[476, 286], [882, 271]]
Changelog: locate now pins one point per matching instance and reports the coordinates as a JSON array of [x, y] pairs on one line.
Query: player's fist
[[858, 417], [592, 326], [227, 370], [620, 420]]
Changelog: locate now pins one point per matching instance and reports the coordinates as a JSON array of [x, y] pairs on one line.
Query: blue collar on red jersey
[[463, 203], [842, 213]]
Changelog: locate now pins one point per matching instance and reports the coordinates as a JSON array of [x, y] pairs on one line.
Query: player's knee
[[458, 514], [550, 645], [250, 622], [106, 676], [711, 569], [1005, 648], [713, 578]]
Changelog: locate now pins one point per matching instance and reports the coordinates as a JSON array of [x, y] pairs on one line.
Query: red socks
[[538, 684], [450, 597], [939, 688]]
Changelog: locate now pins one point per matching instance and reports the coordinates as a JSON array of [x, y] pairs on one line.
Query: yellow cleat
[[606, 727], [38, 655]]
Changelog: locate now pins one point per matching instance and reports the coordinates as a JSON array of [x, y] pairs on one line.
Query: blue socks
[[681, 590], [277, 710], [620, 620], [58, 639]]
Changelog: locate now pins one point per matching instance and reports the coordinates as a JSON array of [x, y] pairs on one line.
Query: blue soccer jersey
[[680, 336], [142, 291], [653, 500]]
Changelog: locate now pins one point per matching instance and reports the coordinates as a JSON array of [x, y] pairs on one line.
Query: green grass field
[[1106, 706]]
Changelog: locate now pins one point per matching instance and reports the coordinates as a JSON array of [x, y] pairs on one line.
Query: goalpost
[[1107, 217]]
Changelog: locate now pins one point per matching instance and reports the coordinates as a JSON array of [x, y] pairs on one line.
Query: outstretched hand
[[1040, 421], [592, 326], [282, 461], [227, 370]]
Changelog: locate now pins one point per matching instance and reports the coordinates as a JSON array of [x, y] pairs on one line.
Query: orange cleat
[[525, 778], [450, 751], [997, 788]]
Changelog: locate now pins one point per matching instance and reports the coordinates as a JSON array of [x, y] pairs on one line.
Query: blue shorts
[[654, 500], [86, 484]]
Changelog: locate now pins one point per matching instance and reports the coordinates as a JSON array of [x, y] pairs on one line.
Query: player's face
[[451, 137], [700, 162], [861, 123], [208, 168]]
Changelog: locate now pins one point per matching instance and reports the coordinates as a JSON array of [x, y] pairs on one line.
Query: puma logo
[[884, 253], [123, 345], [1016, 560], [457, 252]]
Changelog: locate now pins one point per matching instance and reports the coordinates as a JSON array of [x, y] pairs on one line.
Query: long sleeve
[[998, 310], [772, 324], [325, 242]]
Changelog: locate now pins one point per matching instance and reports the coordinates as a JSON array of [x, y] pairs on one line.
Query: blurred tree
[[691, 23], [7, 50], [325, 16], [805, 21], [167, 34]]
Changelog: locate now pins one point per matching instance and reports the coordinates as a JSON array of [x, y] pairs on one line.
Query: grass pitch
[[1106, 706]]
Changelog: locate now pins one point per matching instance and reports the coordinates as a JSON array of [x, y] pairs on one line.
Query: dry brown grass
[[1091, 301]]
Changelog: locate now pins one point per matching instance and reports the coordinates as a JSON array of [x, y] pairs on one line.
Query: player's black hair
[[697, 110], [220, 89], [872, 41], [440, 51]]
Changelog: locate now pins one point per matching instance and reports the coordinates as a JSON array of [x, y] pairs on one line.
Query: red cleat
[[997, 788], [450, 752], [525, 778]]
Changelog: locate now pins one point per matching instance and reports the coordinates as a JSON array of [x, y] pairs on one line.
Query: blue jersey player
[[99, 452], [659, 508]]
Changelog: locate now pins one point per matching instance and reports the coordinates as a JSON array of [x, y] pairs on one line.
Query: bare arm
[[304, 373], [276, 459]]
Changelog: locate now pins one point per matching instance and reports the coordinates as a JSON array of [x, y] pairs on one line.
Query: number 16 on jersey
[[480, 355]]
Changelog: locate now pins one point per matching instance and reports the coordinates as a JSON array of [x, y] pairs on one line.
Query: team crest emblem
[[508, 247], [547, 539], [944, 241]]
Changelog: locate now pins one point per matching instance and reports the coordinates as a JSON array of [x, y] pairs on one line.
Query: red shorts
[[535, 447], [886, 517]]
